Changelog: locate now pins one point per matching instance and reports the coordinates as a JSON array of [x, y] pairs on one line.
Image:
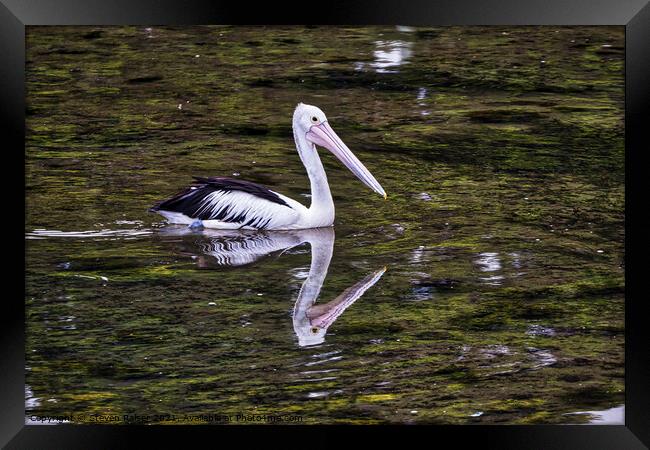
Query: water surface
[[488, 288]]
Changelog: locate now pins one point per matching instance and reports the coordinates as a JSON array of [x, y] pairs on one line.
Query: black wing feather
[[189, 201]]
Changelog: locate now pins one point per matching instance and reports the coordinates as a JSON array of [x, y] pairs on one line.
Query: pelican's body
[[225, 203]]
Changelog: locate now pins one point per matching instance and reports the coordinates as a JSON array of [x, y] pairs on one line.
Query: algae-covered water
[[488, 288]]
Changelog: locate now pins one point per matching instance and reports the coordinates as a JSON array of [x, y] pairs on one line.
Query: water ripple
[[101, 234]]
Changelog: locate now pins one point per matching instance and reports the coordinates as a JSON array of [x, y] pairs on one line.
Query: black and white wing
[[240, 203]]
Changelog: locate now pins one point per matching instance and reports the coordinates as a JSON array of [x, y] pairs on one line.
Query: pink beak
[[324, 136]]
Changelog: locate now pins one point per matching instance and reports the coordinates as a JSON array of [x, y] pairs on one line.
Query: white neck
[[322, 206]]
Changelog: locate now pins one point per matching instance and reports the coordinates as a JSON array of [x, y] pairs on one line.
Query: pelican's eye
[[314, 330], [314, 119]]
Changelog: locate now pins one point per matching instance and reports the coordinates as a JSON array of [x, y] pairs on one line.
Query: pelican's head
[[311, 121]]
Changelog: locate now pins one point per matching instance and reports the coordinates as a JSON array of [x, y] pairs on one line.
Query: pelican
[[226, 203]]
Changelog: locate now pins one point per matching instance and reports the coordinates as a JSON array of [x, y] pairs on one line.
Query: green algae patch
[[376, 398]]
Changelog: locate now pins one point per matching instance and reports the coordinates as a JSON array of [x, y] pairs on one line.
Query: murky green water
[[502, 153]]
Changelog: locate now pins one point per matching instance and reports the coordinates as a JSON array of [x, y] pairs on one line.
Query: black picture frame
[[633, 14]]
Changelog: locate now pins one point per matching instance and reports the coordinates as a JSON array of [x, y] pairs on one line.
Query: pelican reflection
[[237, 248]]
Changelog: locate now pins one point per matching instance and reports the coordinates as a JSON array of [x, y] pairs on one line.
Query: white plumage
[[237, 204], [260, 213]]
